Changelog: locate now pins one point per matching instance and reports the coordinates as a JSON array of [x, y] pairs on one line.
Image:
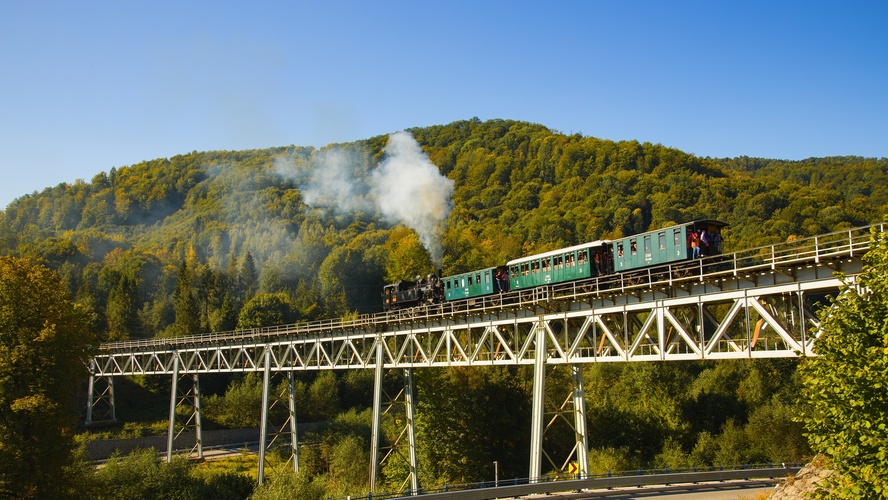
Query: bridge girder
[[770, 322]]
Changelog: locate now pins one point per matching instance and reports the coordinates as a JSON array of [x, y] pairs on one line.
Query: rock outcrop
[[803, 483]]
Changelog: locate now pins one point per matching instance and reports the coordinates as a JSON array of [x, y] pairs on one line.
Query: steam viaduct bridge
[[756, 303]]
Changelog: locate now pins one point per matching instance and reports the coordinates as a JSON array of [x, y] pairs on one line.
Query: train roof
[[712, 222], [591, 244], [470, 272]]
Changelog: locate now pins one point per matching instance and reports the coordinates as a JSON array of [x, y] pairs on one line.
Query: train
[[673, 244]]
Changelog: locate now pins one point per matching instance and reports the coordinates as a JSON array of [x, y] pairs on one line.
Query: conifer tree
[[248, 278], [123, 310], [185, 305]]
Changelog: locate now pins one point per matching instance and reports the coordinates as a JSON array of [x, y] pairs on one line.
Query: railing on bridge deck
[[816, 250], [562, 482]]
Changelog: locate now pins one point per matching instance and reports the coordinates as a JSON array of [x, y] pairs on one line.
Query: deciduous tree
[[846, 385], [44, 345]]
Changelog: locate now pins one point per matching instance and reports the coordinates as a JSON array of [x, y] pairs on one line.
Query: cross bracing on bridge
[[756, 303]]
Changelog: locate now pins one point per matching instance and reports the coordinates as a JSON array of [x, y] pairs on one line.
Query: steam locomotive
[[682, 242]]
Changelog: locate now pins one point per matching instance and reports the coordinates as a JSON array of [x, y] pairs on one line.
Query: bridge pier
[[411, 429], [101, 406], [377, 409], [266, 428], [405, 398], [189, 397], [577, 403], [579, 409], [538, 403]]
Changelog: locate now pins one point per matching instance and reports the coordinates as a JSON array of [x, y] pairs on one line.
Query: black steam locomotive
[[413, 293]]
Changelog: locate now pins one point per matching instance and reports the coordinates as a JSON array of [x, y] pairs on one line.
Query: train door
[[660, 250], [607, 253], [633, 253], [513, 277], [583, 266], [679, 250], [546, 266], [558, 268], [648, 252]]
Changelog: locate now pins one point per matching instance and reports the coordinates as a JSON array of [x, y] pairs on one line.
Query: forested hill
[[217, 240]]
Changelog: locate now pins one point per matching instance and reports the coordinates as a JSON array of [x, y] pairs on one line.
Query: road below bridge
[[727, 490]]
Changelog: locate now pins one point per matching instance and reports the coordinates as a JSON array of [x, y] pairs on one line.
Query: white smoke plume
[[406, 188], [334, 184]]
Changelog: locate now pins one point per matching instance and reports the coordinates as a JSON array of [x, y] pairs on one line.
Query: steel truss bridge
[[756, 303]]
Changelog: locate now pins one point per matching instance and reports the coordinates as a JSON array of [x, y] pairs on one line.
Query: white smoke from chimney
[[334, 184], [407, 187]]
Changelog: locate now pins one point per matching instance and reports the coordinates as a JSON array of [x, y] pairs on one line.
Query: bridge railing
[[812, 250], [556, 482]]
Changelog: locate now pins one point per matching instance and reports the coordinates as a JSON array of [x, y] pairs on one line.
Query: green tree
[[186, 306], [460, 402], [225, 317], [267, 309], [287, 486], [407, 258], [123, 310], [846, 384], [248, 277], [44, 345], [322, 398], [141, 475], [241, 404]]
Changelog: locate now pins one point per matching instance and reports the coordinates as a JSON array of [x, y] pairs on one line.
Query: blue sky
[[86, 86]]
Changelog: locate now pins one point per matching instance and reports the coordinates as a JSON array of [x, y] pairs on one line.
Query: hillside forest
[[224, 240]]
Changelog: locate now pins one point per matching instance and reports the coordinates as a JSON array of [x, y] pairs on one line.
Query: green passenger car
[[475, 283], [672, 244], [567, 264]]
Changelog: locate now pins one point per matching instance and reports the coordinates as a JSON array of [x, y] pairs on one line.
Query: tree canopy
[[45, 344], [846, 385]]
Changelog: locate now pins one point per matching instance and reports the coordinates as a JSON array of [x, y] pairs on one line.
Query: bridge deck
[[751, 303]]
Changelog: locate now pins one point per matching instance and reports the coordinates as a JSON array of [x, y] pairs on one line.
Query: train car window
[[662, 238], [478, 279], [583, 257], [463, 281], [676, 235], [620, 250], [535, 268], [547, 265], [487, 277], [559, 262], [571, 259], [514, 271], [647, 244], [633, 247], [448, 284], [470, 281]]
